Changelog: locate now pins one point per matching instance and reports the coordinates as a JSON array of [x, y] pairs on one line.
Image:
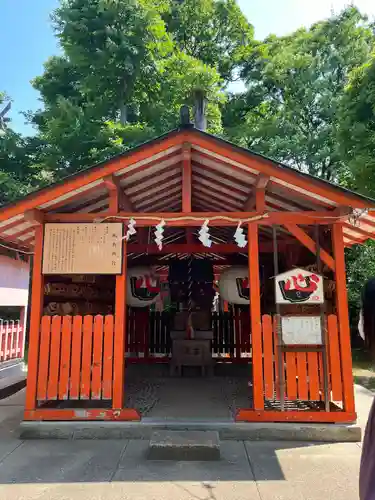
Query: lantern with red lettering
[[143, 287], [234, 285], [299, 286]]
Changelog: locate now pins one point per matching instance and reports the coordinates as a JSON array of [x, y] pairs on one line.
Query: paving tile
[[62, 461], [303, 471]]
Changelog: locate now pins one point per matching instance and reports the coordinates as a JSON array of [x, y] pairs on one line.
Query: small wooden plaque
[[301, 330], [83, 248]]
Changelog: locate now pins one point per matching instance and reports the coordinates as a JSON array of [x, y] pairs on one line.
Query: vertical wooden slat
[[220, 332], [45, 336], [97, 358], [291, 375], [320, 372], [334, 358], [17, 340], [23, 323], [268, 357], [231, 333], [11, 340], [237, 333], [2, 341], [226, 332], [54, 358], [87, 339], [35, 318], [108, 357], [312, 371], [75, 369], [120, 336], [66, 338], [303, 390], [343, 318], [276, 357], [6, 352], [215, 342], [255, 315]]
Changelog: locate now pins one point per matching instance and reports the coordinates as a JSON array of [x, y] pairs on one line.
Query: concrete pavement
[[13, 375], [114, 470]]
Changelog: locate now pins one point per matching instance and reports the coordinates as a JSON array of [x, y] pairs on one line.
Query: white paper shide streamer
[[131, 229], [159, 234], [204, 234], [239, 236]]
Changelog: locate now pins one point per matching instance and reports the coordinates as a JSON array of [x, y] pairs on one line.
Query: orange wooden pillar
[[120, 336], [343, 318], [255, 317], [35, 319]]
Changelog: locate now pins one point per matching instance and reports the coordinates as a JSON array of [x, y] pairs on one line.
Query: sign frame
[[301, 324], [115, 227]]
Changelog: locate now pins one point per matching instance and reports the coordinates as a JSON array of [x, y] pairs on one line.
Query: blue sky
[[27, 40]]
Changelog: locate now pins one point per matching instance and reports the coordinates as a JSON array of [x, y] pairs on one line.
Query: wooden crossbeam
[[309, 243], [117, 197], [195, 219], [34, 215], [257, 198]]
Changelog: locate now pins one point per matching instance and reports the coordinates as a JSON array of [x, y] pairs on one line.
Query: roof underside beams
[[218, 184]]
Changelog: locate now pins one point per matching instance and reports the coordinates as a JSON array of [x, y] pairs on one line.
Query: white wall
[[14, 282]]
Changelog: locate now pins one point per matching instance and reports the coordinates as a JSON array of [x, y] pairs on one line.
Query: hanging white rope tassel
[[159, 234], [204, 234], [131, 230], [239, 236]]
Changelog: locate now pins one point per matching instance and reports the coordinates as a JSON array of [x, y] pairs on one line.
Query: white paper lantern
[[234, 285], [143, 287]]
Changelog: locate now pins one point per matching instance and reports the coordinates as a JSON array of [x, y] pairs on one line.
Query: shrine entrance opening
[[189, 350]]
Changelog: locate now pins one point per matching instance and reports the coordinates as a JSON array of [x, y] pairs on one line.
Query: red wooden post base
[[127, 414]]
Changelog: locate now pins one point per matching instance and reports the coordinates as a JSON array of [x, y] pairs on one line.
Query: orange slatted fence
[[11, 340], [302, 371], [76, 358]]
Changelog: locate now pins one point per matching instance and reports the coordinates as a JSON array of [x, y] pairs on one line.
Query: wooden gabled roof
[[224, 179]]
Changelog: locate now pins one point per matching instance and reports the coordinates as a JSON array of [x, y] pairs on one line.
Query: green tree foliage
[[357, 127], [294, 87], [214, 31], [360, 262], [121, 80]]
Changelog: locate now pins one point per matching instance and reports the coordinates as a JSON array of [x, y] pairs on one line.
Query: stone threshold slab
[[184, 445], [226, 430]]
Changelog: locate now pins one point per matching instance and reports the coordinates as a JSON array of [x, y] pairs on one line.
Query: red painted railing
[[148, 335], [12, 340]]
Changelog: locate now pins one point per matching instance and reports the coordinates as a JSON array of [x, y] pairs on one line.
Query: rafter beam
[[186, 177], [309, 243], [257, 198], [117, 197]]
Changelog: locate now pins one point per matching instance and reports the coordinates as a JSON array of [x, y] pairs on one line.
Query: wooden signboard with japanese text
[[83, 248]]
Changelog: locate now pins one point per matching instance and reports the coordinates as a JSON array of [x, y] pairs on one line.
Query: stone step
[[237, 431], [184, 445]]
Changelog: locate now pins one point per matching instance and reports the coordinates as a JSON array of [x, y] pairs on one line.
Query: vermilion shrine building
[[84, 336]]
